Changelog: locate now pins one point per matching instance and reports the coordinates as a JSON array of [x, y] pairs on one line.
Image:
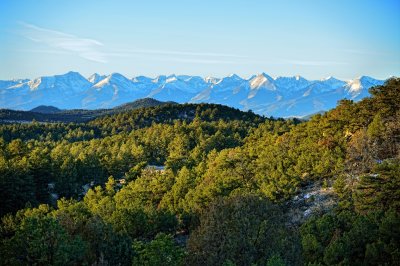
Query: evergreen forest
[[205, 184]]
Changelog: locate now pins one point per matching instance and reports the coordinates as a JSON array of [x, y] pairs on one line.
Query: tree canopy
[[204, 184]]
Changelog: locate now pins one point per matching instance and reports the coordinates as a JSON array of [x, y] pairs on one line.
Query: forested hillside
[[52, 114], [203, 184]]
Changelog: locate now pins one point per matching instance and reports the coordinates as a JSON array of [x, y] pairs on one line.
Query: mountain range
[[278, 97]]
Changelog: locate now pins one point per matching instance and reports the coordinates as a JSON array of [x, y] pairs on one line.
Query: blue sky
[[315, 39]]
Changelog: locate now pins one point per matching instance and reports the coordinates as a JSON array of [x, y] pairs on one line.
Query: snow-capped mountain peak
[[359, 86], [34, 84], [230, 80], [142, 79], [262, 81], [160, 79], [95, 78], [171, 79], [354, 85], [212, 80], [71, 81], [234, 76], [117, 81]]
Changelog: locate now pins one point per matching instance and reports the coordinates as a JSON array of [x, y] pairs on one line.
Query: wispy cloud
[[198, 60], [171, 58], [180, 53], [42, 51], [93, 50], [362, 52], [315, 63], [86, 48]]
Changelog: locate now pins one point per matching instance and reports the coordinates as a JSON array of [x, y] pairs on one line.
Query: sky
[[311, 38]]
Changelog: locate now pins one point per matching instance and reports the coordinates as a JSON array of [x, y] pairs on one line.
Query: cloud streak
[[315, 63], [93, 50], [171, 58], [362, 52], [181, 53], [198, 60], [83, 47]]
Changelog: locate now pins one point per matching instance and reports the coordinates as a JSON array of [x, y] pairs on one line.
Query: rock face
[[312, 199], [278, 97]]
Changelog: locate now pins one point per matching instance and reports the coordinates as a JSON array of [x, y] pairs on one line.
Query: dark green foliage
[[106, 245], [42, 241], [167, 114], [53, 114], [386, 98], [243, 230], [141, 103], [160, 251], [45, 109], [380, 190], [350, 238], [17, 185]]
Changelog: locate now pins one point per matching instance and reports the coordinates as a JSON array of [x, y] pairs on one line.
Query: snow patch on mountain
[[69, 82], [357, 88], [211, 80], [95, 78], [262, 81]]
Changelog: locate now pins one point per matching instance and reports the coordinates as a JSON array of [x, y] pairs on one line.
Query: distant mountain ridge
[[46, 109], [278, 97], [44, 113]]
